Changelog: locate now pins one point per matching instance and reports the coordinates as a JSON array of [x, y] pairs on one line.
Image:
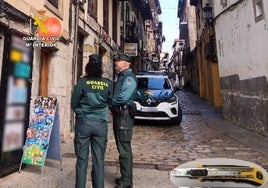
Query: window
[[127, 13], [258, 10], [54, 3], [114, 20], [92, 8], [79, 68], [153, 83], [106, 16], [56, 6]]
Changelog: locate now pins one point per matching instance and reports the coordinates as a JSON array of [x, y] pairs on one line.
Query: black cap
[[122, 57], [95, 58]]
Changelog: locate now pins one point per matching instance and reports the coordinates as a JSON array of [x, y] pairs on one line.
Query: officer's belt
[[122, 107]]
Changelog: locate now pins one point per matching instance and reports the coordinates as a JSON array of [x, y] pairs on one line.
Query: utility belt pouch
[[132, 110], [125, 135]]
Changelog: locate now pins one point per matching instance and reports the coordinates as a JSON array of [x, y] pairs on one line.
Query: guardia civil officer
[[89, 101], [123, 117]]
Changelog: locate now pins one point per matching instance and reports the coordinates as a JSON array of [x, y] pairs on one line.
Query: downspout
[[75, 51], [122, 37]]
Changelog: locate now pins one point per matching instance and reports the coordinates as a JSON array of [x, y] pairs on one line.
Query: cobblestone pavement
[[157, 148], [164, 146]]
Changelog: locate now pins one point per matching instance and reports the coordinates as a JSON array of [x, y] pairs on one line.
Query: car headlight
[[172, 99]]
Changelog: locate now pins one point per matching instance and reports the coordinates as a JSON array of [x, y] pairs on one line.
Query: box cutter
[[247, 174]]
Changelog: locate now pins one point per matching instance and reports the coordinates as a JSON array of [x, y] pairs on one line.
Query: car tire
[[177, 120]]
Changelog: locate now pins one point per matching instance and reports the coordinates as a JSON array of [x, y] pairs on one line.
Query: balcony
[[131, 32]]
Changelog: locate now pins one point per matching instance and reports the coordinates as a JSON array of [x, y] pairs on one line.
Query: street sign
[[131, 49]]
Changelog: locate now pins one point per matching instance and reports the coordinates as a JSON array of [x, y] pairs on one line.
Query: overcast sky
[[170, 22]]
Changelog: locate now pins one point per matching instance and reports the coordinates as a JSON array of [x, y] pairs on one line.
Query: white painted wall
[[191, 20], [241, 43]]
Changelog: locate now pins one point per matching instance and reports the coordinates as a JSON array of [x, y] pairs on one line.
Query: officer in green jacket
[[90, 102], [123, 117]]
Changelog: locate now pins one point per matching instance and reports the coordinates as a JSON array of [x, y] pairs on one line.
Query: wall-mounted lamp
[[198, 42], [100, 40], [2, 13], [181, 46], [208, 16]]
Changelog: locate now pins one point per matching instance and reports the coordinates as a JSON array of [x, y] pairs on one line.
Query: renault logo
[[149, 101]]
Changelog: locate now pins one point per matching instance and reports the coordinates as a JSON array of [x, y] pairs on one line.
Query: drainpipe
[[75, 51], [122, 20]]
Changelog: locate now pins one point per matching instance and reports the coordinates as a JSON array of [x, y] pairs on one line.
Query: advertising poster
[[15, 93], [13, 139], [39, 131]]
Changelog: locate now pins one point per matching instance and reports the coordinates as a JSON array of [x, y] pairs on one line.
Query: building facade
[[232, 68], [46, 62], [87, 27], [241, 35], [153, 38]]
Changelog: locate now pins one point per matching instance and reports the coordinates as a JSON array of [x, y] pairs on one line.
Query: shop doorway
[[44, 73]]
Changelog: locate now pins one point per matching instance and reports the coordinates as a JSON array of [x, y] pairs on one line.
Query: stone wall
[[245, 102]]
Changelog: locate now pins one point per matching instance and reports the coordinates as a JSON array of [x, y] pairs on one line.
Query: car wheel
[[177, 120]]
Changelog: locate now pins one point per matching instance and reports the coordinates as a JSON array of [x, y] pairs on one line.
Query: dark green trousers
[[123, 128], [90, 134]]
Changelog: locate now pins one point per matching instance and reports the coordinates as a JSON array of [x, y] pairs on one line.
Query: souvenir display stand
[[43, 134]]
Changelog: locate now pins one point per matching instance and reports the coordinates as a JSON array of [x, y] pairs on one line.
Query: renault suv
[[156, 100]]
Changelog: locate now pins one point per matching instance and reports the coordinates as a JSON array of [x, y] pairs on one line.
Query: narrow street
[[158, 148], [165, 146], [210, 49]]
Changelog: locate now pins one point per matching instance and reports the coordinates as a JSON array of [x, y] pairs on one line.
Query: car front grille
[[149, 103], [151, 114]]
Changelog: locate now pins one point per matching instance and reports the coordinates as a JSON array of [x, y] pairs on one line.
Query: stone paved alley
[[158, 148], [165, 146]]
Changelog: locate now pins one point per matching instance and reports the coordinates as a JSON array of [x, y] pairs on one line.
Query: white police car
[[156, 99]]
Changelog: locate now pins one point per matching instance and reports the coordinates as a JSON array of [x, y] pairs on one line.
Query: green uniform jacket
[[91, 98], [125, 88]]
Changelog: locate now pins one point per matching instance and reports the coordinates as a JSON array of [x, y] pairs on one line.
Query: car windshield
[[154, 83]]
